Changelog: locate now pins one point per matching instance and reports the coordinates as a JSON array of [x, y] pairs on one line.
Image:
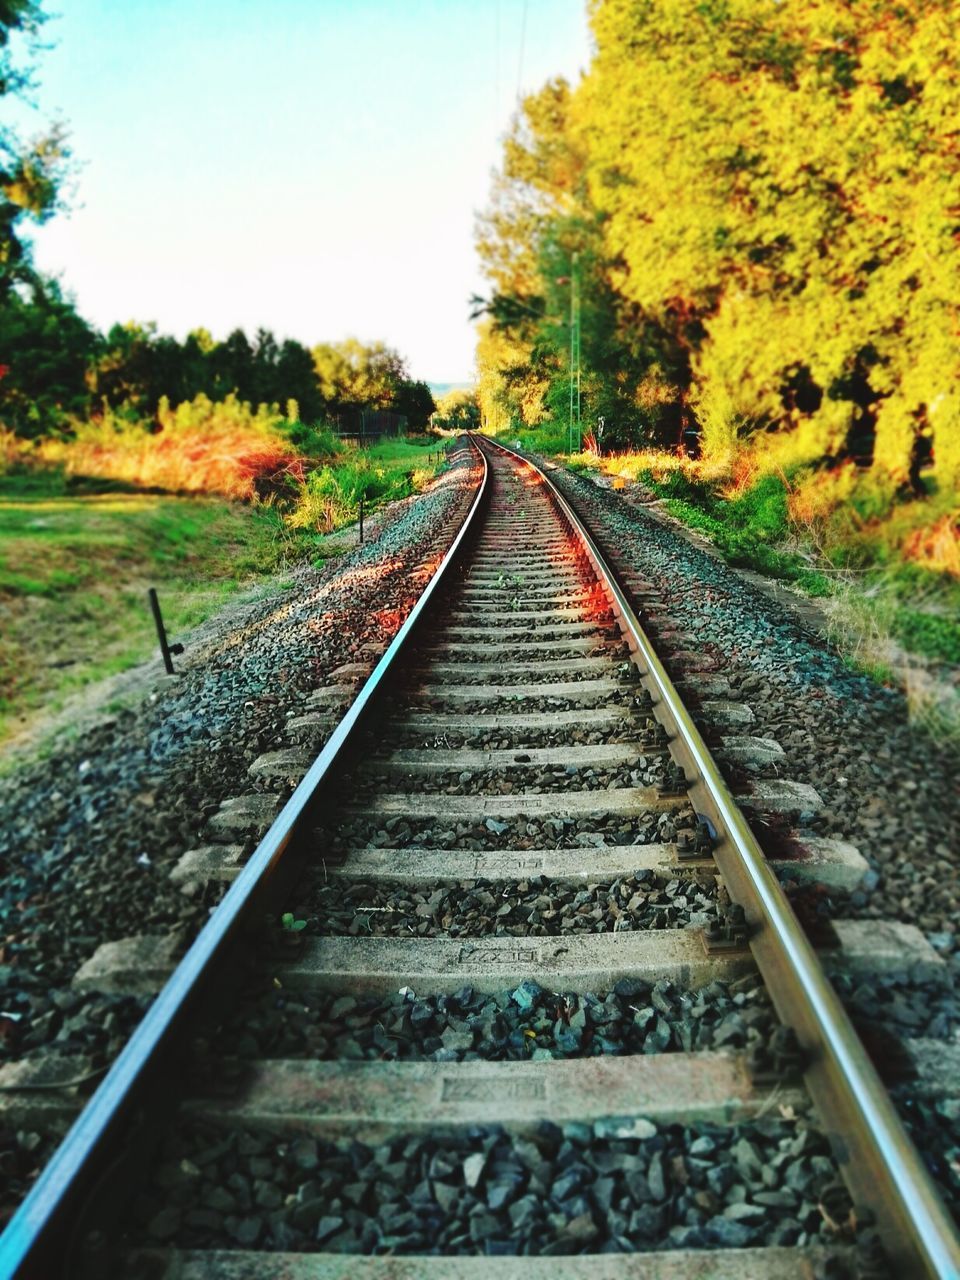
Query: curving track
[[519, 745]]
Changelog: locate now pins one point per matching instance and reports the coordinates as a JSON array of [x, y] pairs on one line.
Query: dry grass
[[226, 449], [233, 464], [936, 546], [862, 622]]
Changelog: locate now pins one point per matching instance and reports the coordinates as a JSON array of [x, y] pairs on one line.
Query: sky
[[310, 166]]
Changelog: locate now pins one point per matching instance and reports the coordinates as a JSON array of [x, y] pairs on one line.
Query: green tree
[[124, 371], [415, 401], [458, 410], [46, 351], [538, 185], [357, 374], [540, 241], [296, 379], [30, 171], [778, 185], [232, 364]]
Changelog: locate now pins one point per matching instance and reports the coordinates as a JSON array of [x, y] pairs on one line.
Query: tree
[[458, 410], [537, 186], [778, 188], [296, 375], [415, 401], [356, 374], [47, 348], [124, 369], [30, 172], [232, 362], [540, 240]]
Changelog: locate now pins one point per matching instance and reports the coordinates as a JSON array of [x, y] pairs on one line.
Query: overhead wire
[[523, 39], [496, 104]]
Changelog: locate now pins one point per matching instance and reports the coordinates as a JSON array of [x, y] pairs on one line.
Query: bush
[[762, 510], [678, 484], [331, 495], [202, 446], [929, 634], [312, 441], [548, 439]]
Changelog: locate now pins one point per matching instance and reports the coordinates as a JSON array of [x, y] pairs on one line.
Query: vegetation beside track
[[741, 310], [889, 582], [80, 540]]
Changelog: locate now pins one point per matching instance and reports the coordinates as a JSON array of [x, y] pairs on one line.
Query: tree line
[[757, 203], [57, 368]]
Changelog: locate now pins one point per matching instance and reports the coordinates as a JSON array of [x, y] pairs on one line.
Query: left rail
[[54, 1211]]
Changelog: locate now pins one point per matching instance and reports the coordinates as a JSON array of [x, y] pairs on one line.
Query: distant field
[[75, 565]]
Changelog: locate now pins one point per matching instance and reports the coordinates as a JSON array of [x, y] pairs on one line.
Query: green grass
[[75, 568], [375, 475], [931, 634], [77, 557], [546, 439], [749, 529]]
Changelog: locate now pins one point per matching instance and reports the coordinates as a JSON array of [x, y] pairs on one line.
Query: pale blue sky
[[313, 166]]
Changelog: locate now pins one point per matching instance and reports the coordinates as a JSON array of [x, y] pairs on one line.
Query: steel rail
[[883, 1169], [42, 1212]]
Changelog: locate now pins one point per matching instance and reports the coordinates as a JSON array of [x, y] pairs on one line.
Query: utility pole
[[576, 295], [574, 352]]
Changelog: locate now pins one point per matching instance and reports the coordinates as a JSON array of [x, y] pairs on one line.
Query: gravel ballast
[[510, 833], [523, 1023], [522, 908], [568, 1189], [889, 786], [571, 1189]]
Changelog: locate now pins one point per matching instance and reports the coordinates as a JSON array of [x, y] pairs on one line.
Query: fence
[[365, 425]]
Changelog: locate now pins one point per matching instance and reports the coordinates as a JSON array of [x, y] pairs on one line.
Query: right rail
[[881, 1166]]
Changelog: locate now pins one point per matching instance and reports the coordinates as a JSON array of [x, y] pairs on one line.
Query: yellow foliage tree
[[539, 183], [783, 180]]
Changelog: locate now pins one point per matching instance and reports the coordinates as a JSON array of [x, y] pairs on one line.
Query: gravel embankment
[[576, 1188], [90, 833], [887, 784]]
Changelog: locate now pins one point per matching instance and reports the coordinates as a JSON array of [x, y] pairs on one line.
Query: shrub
[[312, 441], [936, 546], [222, 448], [331, 495]]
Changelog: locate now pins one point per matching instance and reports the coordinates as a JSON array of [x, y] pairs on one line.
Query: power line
[[496, 108], [523, 38]]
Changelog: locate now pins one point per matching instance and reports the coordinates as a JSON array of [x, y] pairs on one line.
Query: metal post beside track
[[166, 650]]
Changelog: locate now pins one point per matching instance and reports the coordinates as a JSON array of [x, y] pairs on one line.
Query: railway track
[[488, 988]]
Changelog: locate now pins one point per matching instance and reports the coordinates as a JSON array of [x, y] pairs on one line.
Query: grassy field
[[378, 473], [76, 562]]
